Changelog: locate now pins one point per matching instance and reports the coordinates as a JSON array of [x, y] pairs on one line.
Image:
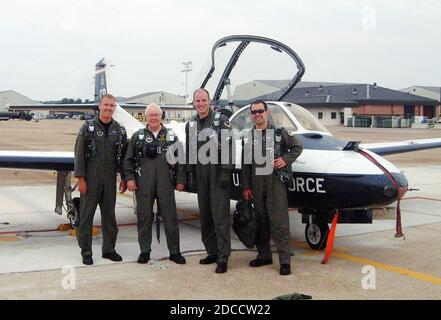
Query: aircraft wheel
[[75, 220], [317, 235]]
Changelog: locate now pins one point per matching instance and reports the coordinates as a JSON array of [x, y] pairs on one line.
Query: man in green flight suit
[[99, 151], [150, 166], [210, 178], [266, 190]]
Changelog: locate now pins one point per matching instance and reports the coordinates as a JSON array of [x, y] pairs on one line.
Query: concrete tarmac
[[38, 262]]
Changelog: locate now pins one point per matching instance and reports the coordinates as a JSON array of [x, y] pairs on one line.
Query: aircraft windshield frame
[[278, 116], [244, 41], [290, 116]]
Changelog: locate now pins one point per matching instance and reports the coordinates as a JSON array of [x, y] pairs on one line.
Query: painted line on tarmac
[[340, 253], [9, 238], [405, 272]]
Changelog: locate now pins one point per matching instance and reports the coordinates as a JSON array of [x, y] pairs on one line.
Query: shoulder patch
[[290, 132]]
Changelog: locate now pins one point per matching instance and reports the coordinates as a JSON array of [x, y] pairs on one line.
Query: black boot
[[285, 269], [144, 257], [87, 260], [208, 260], [221, 267], [177, 258], [260, 262], [112, 256]]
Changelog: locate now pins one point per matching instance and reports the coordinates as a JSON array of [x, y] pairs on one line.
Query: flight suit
[[100, 170], [270, 197], [153, 181], [213, 184]]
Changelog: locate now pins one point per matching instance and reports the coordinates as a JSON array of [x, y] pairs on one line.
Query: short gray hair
[[153, 105], [107, 95]]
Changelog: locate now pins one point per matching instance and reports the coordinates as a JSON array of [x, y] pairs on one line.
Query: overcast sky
[[49, 48]]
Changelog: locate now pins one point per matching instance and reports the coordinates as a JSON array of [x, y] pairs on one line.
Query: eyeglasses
[[259, 111]]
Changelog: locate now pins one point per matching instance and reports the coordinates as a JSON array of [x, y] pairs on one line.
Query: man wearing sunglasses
[[266, 190]]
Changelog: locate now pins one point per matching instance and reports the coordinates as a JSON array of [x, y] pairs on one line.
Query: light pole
[[187, 69]]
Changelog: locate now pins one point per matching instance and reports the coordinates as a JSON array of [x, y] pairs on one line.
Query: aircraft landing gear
[[64, 194], [73, 213], [316, 235]]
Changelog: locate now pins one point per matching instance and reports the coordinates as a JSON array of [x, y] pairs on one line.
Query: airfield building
[[426, 91], [347, 104], [173, 105], [11, 97]]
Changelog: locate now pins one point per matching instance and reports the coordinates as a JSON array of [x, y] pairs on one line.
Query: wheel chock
[[95, 232], [64, 227]]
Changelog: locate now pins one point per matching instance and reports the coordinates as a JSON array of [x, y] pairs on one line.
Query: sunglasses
[[259, 111]]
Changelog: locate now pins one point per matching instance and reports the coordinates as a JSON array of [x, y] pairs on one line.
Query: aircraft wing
[[123, 117], [388, 148], [40, 160]]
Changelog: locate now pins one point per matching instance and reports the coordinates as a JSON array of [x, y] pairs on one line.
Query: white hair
[[152, 105]]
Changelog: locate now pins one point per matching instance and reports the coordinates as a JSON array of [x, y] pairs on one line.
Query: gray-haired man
[[150, 176]]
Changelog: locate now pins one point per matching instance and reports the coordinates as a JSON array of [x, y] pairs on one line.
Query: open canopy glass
[[244, 67]]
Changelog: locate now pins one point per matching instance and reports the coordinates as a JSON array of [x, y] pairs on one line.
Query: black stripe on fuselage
[[39, 163], [330, 191]]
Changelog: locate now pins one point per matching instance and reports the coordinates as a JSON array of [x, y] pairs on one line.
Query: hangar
[[11, 97], [173, 105]]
